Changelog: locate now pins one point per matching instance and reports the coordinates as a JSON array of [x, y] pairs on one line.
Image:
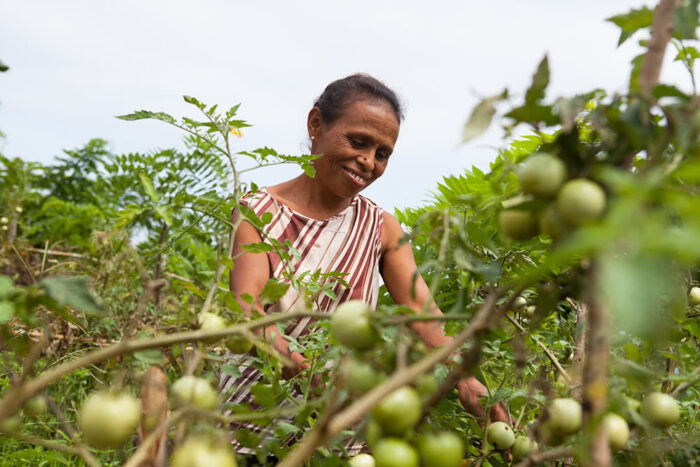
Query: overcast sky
[[74, 65]]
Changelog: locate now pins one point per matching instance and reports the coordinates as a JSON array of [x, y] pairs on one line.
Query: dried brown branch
[[541, 457], [18, 394], [154, 411], [595, 370], [694, 378], [579, 346], [661, 32], [352, 414], [546, 351]]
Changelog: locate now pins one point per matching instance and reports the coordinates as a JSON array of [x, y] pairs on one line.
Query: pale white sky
[[77, 63]]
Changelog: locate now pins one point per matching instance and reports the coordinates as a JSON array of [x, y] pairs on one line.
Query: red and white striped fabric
[[349, 242]]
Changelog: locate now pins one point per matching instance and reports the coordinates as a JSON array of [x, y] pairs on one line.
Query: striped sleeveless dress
[[349, 242]]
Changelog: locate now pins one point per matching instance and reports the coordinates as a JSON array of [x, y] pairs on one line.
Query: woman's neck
[[309, 197]]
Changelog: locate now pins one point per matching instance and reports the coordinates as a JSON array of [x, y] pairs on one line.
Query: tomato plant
[[568, 273]]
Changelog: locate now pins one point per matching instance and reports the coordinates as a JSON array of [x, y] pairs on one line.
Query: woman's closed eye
[[357, 143]]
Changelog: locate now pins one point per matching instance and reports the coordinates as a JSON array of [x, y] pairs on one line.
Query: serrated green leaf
[[273, 291], [231, 369], [480, 118], [149, 188], [193, 101], [540, 81], [264, 395], [633, 21], [687, 54], [260, 247], [145, 114], [534, 114], [73, 292], [164, 214]]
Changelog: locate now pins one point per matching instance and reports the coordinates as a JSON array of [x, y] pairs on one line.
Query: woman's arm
[[249, 274], [398, 268]]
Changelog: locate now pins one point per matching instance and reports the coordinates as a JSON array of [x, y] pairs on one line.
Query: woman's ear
[[313, 122]]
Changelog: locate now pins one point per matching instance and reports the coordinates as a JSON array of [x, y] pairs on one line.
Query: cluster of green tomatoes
[[562, 204]]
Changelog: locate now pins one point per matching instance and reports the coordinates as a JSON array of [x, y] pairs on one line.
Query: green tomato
[[542, 175], [199, 451], [517, 224], [351, 324], [107, 419], [194, 391], [35, 407], [552, 223], [12, 425], [616, 430], [661, 410], [239, 345], [362, 460], [361, 377], [211, 322], [392, 452], [581, 201], [427, 385], [565, 416], [399, 411], [523, 447], [694, 296], [441, 449], [500, 435], [519, 302], [373, 433]]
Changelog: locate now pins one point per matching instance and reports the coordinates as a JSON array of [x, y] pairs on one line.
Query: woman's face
[[355, 148]]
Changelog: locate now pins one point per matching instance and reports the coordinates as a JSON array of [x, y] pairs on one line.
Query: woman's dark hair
[[340, 93]]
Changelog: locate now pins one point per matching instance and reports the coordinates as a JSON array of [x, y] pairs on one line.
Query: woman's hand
[[470, 390]]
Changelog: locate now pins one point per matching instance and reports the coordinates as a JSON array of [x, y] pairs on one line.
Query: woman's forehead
[[369, 114]]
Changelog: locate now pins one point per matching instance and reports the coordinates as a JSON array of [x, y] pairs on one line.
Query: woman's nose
[[367, 161]]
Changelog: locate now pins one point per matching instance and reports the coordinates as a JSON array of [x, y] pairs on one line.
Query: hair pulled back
[[342, 92]]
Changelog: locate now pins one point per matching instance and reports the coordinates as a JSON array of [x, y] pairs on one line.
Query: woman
[[354, 126]]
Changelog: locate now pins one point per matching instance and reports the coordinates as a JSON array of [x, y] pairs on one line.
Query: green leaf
[[3, 67], [73, 292], [164, 213], [685, 19], [534, 114], [150, 357], [231, 369], [5, 286], [666, 90], [193, 101], [247, 438], [7, 311], [540, 81], [145, 114], [260, 247], [273, 291], [481, 116], [635, 72], [688, 55], [632, 22], [264, 395], [148, 187]]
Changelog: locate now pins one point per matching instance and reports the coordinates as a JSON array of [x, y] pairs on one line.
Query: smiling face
[[355, 148]]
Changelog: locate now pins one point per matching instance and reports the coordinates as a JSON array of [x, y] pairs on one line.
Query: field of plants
[[568, 274]]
